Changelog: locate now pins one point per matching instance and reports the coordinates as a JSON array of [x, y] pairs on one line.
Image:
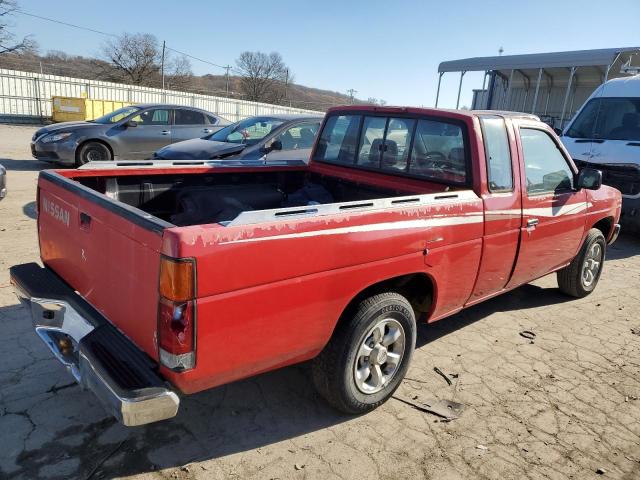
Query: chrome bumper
[[65, 331], [615, 234]]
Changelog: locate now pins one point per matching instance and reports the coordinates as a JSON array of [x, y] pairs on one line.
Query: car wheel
[[368, 355], [93, 152], [581, 276]]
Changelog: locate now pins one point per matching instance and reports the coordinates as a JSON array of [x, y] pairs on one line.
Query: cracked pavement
[[560, 406]]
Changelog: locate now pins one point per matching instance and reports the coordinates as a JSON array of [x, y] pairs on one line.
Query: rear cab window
[[430, 149]]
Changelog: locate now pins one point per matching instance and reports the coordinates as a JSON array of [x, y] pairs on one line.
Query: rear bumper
[[98, 356]]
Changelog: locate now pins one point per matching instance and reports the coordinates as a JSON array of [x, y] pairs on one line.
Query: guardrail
[[26, 97]]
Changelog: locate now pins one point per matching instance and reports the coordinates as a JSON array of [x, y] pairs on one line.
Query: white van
[[605, 134]]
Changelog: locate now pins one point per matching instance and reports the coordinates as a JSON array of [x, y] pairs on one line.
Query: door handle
[[532, 222], [207, 130], [165, 132]]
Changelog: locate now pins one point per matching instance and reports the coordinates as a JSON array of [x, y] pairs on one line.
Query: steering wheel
[[437, 161]]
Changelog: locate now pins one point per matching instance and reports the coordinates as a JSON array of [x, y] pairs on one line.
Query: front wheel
[[581, 276], [93, 152], [368, 354]]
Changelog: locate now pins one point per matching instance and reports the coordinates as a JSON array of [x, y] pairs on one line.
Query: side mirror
[[589, 178], [131, 123], [558, 131]]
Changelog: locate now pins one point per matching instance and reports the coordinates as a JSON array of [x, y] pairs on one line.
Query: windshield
[[249, 131], [116, 115], [608, 119]]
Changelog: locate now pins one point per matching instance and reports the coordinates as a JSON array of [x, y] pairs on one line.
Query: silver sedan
[[129, 133]]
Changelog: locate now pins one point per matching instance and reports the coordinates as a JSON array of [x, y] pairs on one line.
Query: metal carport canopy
[[578, 58]]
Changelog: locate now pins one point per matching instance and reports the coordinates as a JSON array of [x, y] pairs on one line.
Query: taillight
[[176, 313]]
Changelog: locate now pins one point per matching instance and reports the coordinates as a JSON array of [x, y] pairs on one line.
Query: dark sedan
[[132, 132], [269, 138], [3, 182]]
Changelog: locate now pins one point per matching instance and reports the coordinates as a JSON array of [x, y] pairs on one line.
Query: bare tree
[[134, 57], [178, 74], [263, 76], [8, 43]]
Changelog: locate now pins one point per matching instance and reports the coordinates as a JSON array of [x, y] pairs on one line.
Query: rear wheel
[[368, 354], [93, 152], [581, 276]]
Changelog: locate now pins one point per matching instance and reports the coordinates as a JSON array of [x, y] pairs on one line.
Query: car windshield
[[249, 131], [116, 115], [608, 118]]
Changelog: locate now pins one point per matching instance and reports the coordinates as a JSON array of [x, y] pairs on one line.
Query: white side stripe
[[374, 227]]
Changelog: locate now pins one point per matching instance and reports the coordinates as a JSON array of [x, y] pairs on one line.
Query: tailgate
[[107, 251]]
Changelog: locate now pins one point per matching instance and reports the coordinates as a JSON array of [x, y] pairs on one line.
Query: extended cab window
[[497, 153], [339, 139], [546, 169]]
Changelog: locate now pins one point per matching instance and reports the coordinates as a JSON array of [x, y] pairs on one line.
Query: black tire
[[334, 369], [93, 152], [571, 278]]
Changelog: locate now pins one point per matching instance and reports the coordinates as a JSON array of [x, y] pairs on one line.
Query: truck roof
[[432, 111]]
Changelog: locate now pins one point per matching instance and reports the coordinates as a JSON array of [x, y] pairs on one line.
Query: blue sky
[[383, 49]]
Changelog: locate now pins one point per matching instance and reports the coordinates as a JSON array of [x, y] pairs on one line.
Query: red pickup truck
[[165, 277]]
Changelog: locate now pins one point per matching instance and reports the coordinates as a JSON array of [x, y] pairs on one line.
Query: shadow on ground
[[627, 245], [29, 209], [31, 165], [242, 416]]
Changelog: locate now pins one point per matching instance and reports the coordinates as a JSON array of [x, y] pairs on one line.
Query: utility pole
[[162, 63], [286, 84], [227, 79], [41, 72], [351, 93]]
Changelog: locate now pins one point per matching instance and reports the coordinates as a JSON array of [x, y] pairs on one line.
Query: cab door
[[553, 213]]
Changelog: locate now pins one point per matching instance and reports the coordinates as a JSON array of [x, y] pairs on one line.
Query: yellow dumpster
[[66, 109]]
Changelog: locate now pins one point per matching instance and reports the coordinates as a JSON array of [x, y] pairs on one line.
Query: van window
[[608, 118], [546, 169], [496, 145]]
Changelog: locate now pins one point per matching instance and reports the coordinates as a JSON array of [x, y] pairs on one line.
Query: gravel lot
[[562, 406]]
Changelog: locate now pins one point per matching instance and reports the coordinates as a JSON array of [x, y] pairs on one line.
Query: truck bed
[[187, 199]]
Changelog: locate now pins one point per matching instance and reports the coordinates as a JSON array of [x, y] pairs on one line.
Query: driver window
[[546, 169], [155, 116], [251, 133], [300, 136]]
